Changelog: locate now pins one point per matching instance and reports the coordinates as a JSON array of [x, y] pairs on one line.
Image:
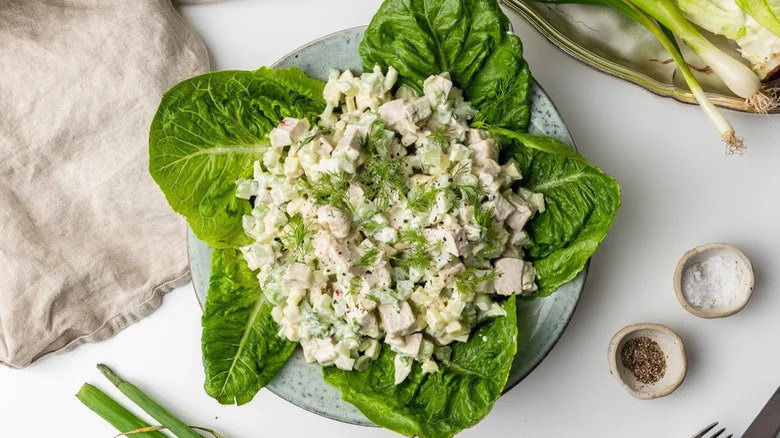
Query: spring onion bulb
[[736, 75]]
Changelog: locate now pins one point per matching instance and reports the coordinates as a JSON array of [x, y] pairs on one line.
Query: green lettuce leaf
[[441, 404], [766, 12], [581, 202], [241, 349], [468, 38], [207, 133]]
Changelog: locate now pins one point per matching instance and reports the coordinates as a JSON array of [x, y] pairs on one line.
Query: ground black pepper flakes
[[643, 357]]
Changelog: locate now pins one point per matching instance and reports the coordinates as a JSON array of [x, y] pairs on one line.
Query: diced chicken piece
[[393, 112], [484, 150], [309, 346], [397, 215], [297, 276], [453, 239], [356, 194], [502, 208], [419, 109], [377, 276], [488, 171], [397, 322], [288, 132], [394, 115], [448, 273], [475, 136], [331, 251], [408, 345], [326, 352], [325, 148], [354, 136], [519, 217], [367, 303], [509, 276], [335, 220], [473, 232], [366, 320]]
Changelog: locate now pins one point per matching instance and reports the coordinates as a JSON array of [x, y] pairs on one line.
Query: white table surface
[[679, 190]]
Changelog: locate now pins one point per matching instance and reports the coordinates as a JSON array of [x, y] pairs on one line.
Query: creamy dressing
[[390, 224]]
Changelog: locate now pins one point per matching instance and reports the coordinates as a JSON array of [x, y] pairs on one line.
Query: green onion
[[736, 75], [114, 413], [734, 144], [151, 407]]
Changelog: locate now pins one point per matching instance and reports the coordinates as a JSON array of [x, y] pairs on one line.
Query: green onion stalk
[[114, 413], [736, 75], [734, 144], [159, 413]]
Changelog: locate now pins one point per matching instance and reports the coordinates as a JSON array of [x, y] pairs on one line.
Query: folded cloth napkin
[[88, 244]]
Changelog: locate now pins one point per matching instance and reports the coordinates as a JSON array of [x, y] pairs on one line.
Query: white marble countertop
[[679, 190]]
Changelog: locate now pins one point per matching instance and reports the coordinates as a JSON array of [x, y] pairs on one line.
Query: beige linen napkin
[[88, 244]]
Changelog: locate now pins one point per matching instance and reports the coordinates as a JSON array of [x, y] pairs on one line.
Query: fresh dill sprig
[[374, 143], [458, 169], [466, 283], [440, 136], [490, 239], [412, 236], [418, 255], [383, 176], [369, 257], [295, 237], [355, 283], [497, 104], [421, 200], [483, 217], [331, 189], [371, 226], [470, 193]]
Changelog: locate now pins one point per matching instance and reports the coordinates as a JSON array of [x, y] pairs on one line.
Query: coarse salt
[[712, 283]]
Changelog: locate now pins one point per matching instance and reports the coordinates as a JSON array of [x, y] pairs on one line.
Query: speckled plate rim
[[542, 354], [604, 65]]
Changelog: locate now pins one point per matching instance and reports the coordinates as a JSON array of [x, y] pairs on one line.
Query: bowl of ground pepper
[[648, 360]]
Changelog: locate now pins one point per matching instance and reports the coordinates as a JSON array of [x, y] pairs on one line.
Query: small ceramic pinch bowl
[[674, 353], [739, 278]]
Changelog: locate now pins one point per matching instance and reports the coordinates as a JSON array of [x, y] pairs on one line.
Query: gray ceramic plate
[[610, 42], [541, 322]]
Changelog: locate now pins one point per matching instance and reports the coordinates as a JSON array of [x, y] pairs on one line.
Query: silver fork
[[703, 433]]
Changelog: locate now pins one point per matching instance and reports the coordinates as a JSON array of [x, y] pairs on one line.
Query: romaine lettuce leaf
[[581, 202], [241, 349], [468, 38], [207, 133], [441, 404]]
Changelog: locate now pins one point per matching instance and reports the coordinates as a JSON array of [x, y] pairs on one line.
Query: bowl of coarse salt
[[714, 280]]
